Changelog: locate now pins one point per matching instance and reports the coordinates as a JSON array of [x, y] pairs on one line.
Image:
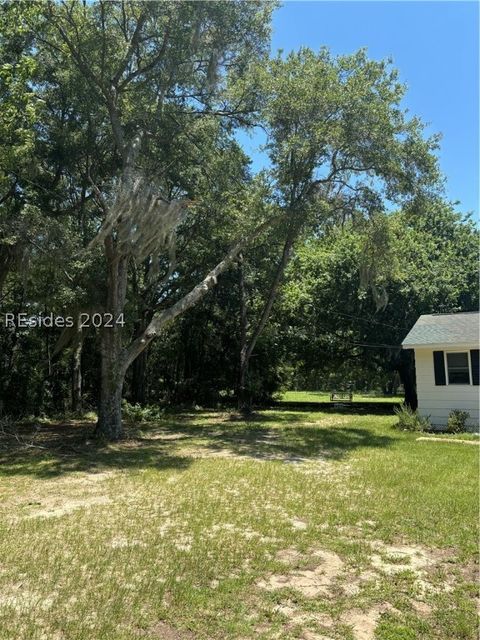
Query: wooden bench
[[344, 396]]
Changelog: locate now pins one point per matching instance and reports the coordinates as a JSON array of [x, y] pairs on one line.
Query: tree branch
[[131, 48], [162, 318]]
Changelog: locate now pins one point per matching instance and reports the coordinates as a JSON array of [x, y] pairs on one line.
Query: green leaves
[[20, 105], [336, 123]]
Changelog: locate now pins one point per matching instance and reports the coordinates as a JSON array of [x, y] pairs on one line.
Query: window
[[458, 368]]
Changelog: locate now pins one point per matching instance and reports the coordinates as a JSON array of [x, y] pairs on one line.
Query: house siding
[[438, 401]]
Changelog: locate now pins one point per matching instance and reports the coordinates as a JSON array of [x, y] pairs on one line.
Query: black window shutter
[[439, 368], [474, 359]]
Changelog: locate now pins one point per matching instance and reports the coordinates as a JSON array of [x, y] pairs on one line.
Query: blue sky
[[434, 45]]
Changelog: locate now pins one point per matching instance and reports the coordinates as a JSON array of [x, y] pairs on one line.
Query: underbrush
[[409, 420]]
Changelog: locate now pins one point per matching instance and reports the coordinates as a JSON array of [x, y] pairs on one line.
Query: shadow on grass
[[254, 438], [360, 407], [175, 441], [53, 450]]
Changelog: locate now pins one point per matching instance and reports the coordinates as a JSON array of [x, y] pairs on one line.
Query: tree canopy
[[125, 194]]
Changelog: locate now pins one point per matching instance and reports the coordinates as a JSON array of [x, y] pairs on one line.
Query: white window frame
[[469, 360]]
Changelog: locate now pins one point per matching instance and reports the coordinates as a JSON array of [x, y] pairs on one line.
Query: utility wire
[[384, 324]]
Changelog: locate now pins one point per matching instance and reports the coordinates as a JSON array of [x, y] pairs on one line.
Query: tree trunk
[[77, 377], [406, 371], [245, 399], [109, 425], [113, 368], [245, 402]]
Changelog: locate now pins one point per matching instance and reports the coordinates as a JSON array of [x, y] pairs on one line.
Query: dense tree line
[[125, 197]]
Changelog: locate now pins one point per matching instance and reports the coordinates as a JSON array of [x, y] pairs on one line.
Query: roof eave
[[447, 346]]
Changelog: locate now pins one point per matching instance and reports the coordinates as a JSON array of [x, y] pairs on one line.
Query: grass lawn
[[324, 396], [301, 525]]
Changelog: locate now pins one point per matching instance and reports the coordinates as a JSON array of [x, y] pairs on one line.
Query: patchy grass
[[324, 396], [203, 525]]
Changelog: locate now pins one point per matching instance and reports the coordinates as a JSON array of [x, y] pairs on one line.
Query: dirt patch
[[298, 525], [363, 623], [206, 452], [289, 556], [352, 585], [470, 572], [309, 582], [327, 575], [328, 470], [421, 562], [183, 542], [66, 506], [311, 635], [165, 631], [297, 617], [422, 608], [19, 598], [167, 436], [53, 493], [393, 559], [120, 542]]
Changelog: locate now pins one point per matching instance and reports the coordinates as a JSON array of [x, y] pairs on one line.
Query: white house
[[446, 365]]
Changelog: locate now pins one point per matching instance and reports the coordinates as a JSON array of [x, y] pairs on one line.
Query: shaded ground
[[70, 446]]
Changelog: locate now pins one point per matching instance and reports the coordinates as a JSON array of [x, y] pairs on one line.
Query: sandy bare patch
[[327, 574], [183, 542], [298, 524], [242, 450], [167, 436], [296, 616], [68, 505], [312, 635], [289, 556], [207, 452], [120, 542], [310, 582], [225, 526], [290, 611], [470, 572], [75, 485], [19, 598], [392, 559], [93, 477], [363, 623], [426, 588], [165, 631], [328, 470], [422, 608]]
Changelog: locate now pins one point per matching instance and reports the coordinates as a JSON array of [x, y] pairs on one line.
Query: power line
[[384, 324], [376, 346]]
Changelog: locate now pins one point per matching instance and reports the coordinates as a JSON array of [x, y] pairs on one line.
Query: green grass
[[324, 396], [209, 527]]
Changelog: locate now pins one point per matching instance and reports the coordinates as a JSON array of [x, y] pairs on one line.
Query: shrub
[[135, 413], [457, 421], [409, 420], [6, 423]]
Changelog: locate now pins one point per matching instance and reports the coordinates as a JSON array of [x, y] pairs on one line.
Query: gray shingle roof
[[444, 329]]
